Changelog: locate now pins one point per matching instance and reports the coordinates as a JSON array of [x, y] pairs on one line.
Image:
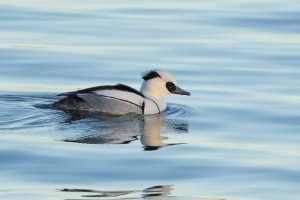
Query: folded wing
[[117, 99]]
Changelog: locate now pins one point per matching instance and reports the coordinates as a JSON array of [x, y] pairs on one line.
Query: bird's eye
[[171, 86]]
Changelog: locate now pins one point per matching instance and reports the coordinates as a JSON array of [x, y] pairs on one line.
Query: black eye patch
[[171, 86]]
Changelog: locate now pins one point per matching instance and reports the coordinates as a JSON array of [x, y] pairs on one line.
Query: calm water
[[236, 137]]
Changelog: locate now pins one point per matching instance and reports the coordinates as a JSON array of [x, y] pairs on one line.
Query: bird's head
[[160, 82]]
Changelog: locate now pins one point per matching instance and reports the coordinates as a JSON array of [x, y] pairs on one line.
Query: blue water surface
[[236, 137]]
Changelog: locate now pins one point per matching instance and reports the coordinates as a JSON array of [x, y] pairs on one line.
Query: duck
[[121, 99]]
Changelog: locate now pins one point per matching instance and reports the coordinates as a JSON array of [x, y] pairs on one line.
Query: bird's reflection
[[151, 136], [108, 129], [155, 192]]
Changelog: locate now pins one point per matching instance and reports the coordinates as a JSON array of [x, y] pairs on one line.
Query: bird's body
[[121, 99]]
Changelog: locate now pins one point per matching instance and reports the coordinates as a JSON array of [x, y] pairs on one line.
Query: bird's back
[[114, 99]]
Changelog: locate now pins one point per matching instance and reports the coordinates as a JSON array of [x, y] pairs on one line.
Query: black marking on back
[[103, 87], [151, 75]]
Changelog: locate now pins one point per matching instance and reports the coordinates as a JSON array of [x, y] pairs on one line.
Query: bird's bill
[[181, 91]]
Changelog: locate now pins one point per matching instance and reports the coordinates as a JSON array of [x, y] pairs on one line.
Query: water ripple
[[178, 110], [154, 192]]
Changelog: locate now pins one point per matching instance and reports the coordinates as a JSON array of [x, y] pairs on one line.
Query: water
[[236, 137]]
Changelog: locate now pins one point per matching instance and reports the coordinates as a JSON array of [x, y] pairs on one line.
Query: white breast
[[154, 106]]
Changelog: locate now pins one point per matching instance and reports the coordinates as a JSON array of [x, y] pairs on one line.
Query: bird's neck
[[158, 99], [151, 93], [149, 90]]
